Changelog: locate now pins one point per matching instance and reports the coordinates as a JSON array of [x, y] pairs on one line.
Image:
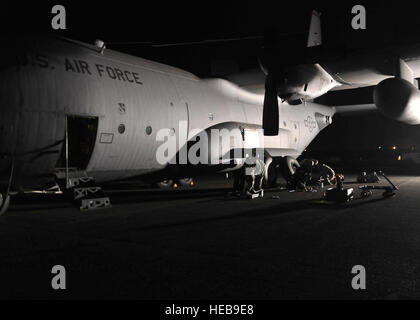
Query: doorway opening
[[81, 133]]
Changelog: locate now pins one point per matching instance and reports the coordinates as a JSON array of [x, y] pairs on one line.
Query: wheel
[[366, 193], [186, 182], [388, 194], [271, 180], [4, 203], [165, 183]]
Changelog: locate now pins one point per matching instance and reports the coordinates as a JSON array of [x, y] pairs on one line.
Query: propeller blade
[[271, 108]]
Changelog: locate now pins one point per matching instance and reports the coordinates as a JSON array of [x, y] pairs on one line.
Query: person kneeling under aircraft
[[248, 180], [311, 173], [302, 175], [256, 178], [323, 174]]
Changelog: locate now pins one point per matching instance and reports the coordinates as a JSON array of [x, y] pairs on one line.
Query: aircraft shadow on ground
[[54, 202], [57, 201], [274, 210]]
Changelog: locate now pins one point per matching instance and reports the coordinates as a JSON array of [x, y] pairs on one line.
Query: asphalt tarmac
[[201, 243]]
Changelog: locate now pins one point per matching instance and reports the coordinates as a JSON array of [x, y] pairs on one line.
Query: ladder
[[84, 190]]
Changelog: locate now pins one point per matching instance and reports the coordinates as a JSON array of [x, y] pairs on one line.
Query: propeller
[[271, 107], [276, 63]]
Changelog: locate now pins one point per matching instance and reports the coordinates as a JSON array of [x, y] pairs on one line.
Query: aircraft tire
[[4, 203], [291, 165], [185, 182], [165, 184], [272, 175]]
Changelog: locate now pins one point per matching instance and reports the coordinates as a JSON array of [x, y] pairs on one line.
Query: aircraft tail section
[[315, 36]]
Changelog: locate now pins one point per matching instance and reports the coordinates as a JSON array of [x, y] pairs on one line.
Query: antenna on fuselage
[[101, 45]]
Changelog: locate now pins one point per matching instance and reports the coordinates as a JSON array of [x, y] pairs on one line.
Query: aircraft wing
[[357, 70], [346, 78], [369, 67], [353, 101], [355, 108], [252, 80]]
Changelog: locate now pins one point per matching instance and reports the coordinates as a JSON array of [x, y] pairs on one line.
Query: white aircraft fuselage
[[126, 101]]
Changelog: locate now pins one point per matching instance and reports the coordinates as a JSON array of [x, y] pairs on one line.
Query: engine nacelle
[[398, 99], [305, 81]]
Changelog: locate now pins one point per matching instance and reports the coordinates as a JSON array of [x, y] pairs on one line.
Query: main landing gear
[[4, 202], [5, 191], [168, 183]]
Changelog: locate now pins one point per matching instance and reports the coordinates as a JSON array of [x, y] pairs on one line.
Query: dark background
[[136, 27]]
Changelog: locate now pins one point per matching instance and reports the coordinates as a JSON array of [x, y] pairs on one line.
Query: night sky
[[148, 23]]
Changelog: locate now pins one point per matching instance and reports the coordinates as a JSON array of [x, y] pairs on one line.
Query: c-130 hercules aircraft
[[80, 115]]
